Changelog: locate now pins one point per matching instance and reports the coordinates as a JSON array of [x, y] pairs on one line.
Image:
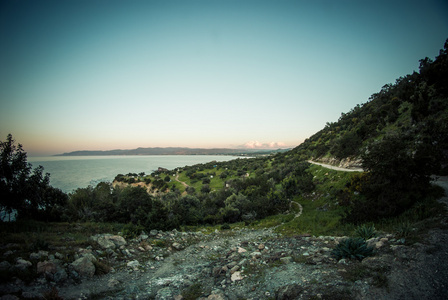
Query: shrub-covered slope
[[415, 107]]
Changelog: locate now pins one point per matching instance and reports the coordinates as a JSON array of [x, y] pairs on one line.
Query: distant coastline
[[175, 151]]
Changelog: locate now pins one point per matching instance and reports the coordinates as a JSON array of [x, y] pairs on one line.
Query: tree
[[399, 174], [24, 190]]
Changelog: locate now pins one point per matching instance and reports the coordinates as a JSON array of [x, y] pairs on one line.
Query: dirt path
[[336, 168], [177, 179]]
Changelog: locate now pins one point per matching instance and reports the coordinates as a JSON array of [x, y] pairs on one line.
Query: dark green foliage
[[414, 107], [225, 226], [131, 231], [193, 292], [366, 231], [399, 174], [25, 190], [353, 248]]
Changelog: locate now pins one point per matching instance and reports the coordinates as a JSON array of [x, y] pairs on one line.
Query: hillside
[[414, 108], [174, 151]]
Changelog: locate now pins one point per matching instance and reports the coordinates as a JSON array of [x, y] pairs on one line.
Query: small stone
[[256, 255], [236, 276], [133, 264], [113, 283], [286, 260], [261, 247], [241, 250], [177, 246], [234, 269]]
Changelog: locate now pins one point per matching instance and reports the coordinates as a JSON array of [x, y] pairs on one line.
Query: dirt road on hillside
[[336, 168]]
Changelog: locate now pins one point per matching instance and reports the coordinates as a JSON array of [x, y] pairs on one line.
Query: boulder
[[5, 266], [133, 264], [109, 241], [44, 267], [22, 264], [84, 266]]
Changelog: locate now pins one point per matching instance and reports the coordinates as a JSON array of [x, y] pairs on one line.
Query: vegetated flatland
[[280, 256]]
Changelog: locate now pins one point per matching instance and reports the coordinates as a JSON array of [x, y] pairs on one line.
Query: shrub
[[354, 248], [131, 231], [225, 226], [366, 232], [404, 229]]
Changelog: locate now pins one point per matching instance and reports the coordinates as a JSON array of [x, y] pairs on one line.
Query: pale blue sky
[[99, 75]]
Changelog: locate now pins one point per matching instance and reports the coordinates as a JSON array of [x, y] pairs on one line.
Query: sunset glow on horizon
[[103, 75]]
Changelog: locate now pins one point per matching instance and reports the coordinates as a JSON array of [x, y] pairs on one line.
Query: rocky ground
[[235, 264]]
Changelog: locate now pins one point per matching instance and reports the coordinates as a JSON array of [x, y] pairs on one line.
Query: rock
[[133, 264], [105, 243], [39, 255], [84, 266], [164, 294], [286, 260], [113, 283], [60, 275], [261, 247], [234, 269], [44, 267], [287, 292], [143, 237], [109, 241], [216, 296], [5, 266], [177, 246], [256, 254], [236, 276], [241, 250], [153, 232], [22, 264]]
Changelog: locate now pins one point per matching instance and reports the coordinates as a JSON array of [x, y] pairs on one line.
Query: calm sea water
[[71, 172]]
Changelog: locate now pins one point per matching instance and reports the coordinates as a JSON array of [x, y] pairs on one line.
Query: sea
[[71, 172]]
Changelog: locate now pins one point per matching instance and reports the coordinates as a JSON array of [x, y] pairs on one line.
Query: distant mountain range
[[174, 151]]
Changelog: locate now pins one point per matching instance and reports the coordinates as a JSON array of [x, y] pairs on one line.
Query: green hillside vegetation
[[414, 108], [400, 134]]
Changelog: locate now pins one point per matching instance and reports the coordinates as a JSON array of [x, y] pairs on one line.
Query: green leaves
[[353, 248]]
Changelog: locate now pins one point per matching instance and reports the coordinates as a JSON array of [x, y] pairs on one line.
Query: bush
[[366, 232], [131, 231], [354, 248], [225, 226]]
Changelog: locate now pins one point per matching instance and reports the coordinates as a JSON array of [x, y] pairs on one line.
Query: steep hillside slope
[[415, 108]]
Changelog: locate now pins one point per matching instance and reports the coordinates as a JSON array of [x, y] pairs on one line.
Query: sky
[[115, 74]]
